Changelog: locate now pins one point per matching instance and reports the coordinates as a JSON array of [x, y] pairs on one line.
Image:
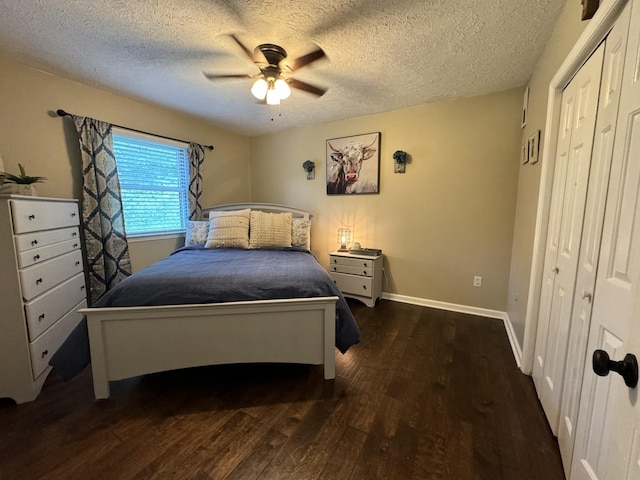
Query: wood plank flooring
[[427, 394]]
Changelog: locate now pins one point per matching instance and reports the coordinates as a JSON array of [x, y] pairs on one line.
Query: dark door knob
[[628, 367]]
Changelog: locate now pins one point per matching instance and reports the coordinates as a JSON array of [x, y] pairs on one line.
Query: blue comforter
[[195, 274]]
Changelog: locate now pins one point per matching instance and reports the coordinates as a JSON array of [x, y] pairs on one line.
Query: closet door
[[608, 431], [610, 85], [571, 177]]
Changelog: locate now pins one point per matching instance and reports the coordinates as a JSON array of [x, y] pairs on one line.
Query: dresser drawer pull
[[82, 287], [335, 269], [36, 257], [73, 214], [75, 245], [335, 260], [31, 217], [365, 264], [74, 234], [77, 263], [34, 242], [38, 281], [45, 353], [41, 317], [364, 272], [364, 286]]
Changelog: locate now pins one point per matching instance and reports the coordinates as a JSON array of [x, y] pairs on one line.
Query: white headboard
[[263, 207]]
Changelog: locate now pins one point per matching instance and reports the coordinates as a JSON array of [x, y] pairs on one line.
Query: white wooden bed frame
[[131, 341]]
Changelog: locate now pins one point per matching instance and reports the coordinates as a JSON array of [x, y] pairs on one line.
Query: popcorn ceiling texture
[[382, 54]]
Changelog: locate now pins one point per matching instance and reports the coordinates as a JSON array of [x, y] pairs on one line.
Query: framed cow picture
[[353, 164]]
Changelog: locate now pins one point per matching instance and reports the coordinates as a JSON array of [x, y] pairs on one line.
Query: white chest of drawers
[[42, 286], [357, 276]]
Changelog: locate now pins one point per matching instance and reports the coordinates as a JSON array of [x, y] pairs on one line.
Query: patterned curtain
[[196, 157], [102, 217]]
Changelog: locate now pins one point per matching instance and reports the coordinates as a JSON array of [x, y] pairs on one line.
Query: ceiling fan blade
[[246, 51], [306, 59], [293, 83], [215, 76]]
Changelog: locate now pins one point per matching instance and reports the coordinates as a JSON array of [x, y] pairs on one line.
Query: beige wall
[[448, 218], [33, 135], [565, 35]]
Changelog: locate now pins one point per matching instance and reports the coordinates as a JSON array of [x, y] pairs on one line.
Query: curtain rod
[[62, 113]]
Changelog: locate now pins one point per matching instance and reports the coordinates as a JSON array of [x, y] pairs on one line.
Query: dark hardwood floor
[[427, 394]]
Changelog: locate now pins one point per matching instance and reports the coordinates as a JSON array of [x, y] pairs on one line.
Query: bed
[[179, 325]]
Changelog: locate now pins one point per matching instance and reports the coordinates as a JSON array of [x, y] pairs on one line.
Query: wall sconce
[[309, 168], [400, 161], [344, 238]]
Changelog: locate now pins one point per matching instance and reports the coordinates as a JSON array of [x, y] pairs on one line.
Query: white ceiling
[[381, 54]]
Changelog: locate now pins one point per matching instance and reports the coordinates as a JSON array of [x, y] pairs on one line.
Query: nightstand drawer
[[353, 284], [361, 271], [351, 262]]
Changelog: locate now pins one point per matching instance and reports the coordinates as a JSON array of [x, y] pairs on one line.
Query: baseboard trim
[[453, 307]]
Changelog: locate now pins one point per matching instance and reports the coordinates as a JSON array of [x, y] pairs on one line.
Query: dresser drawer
[[50, 341], [42, 254], [46, 309], [28, 241], [351, 262], [41, 277], [30, 216], [352, 284]]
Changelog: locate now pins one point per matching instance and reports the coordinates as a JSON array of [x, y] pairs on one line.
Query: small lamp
[[344, 238]]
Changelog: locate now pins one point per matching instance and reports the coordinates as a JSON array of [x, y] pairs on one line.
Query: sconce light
[[309, 167], [400, 161], [344, 238]]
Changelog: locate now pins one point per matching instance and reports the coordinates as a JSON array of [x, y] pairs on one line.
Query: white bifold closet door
[[568, 200], [607, 439]]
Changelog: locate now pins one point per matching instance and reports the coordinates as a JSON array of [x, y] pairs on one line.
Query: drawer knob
[[34, 242], [36, 257], [365, 264], [45, 353], [77, 263], [32, 217], [39, 281], [73, 214], [74, 234], [82, 287], [364, 272], [335, 269], [75, 245], [41, 317], [364, 286]]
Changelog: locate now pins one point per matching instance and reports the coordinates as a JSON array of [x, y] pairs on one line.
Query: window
[[154, 180]]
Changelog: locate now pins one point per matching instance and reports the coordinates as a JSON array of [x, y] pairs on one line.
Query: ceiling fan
[[270, 85]]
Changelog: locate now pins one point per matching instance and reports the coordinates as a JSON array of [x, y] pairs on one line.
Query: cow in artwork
[[344, 168]]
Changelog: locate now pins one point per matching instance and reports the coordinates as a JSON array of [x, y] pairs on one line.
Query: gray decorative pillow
[[270, 230], [196, 232], [229, 229], [301, 233]]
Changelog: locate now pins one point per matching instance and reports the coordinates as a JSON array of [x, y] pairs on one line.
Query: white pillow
[[229, 229], [197, 232], [269, 229], [301, 233]]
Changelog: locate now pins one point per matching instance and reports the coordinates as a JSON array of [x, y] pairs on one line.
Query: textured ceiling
[[381, 54]]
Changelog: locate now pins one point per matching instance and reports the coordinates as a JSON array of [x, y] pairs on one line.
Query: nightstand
[[357, 276]]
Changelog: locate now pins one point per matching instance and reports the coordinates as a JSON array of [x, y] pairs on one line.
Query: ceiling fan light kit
[[271, 87]]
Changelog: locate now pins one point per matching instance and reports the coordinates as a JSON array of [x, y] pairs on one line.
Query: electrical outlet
[[477, 281]]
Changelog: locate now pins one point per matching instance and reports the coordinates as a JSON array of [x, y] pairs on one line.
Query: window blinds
[[154, 181]]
